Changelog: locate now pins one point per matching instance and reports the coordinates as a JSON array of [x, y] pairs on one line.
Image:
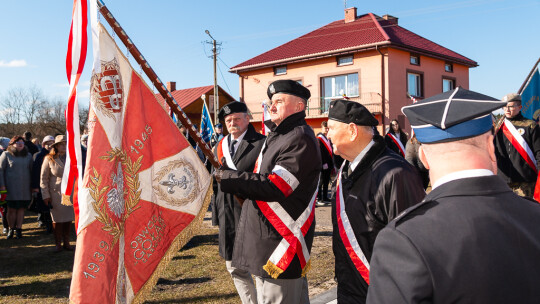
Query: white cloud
[[83, 94], [13, 63]]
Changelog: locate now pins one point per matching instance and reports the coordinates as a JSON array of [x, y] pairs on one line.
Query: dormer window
[[448, 67], [280, 70], [345, 60], [415, 60]]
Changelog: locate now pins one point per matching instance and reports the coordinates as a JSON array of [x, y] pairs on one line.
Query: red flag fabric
[[144, 191], [75, 59]]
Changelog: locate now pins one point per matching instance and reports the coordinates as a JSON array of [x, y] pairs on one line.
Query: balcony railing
[[318, 106]]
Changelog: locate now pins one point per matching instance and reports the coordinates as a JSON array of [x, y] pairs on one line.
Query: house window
[[280, 70], [415, 60], [345, 60], [336, 86], [448, 84], [414, 84], [448, 67]]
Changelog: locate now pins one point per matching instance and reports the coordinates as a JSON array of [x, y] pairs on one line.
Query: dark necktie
[[233, 143]]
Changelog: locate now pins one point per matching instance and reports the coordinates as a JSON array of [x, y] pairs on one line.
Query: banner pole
[[157, 82], [528, 77]]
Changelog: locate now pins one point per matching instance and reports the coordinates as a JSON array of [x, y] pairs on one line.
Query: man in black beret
[[238, 151], [374, 185], [472, 240], [276, 229]]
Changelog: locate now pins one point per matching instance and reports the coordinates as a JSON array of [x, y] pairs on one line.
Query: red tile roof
[[186, 97], [366, 31]]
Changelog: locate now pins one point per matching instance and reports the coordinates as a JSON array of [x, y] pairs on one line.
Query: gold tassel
[[66, 200], [306, 268], [272, 269]]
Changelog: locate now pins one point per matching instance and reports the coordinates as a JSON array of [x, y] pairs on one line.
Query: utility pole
[[214, 56]]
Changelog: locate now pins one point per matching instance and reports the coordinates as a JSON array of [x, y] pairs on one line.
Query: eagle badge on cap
[[272, 89], [226, 110]]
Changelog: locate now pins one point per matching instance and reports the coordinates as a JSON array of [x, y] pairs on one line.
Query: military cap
[[218, 125], [290, 87], [232, 107], [511, 97], [452, 115], [348, 111]]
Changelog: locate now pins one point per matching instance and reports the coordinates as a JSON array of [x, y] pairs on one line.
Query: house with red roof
[[191, 100], [370, 59]]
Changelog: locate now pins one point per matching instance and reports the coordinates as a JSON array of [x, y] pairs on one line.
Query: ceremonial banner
[[145, 190], [207, 129], [530, 96]]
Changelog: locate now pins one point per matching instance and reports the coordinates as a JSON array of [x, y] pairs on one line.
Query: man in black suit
[[239, 151], [472, 240]]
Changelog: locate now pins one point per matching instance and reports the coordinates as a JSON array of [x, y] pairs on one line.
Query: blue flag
[[530, 97], [207, 129]]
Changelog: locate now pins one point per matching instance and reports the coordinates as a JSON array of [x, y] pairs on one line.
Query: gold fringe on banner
[[180, 240]]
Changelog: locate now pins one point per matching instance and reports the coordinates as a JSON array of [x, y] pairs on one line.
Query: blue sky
[[503, 36]]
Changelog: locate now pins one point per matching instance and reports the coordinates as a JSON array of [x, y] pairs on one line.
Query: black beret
[[232, 107], [347, 111], [290, 87]]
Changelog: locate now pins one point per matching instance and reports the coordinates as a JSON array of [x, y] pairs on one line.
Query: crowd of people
[[30, 179], [470, 239]]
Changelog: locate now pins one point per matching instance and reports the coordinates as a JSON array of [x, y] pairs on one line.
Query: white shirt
[[461, 174], [359, 157], [238, 140]]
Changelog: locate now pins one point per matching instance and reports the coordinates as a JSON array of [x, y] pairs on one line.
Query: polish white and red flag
[[75, 59], [144, 192]]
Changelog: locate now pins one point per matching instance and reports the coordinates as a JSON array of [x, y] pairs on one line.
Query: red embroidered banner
[[144, 191]]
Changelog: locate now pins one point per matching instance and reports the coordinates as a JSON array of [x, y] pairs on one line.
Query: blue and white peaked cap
[[452, 115]]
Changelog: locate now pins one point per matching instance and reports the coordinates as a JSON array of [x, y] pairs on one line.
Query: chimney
[[392, 19], [171, 86], [350, 14]]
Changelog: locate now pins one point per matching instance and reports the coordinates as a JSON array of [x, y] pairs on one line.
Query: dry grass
[[31, 272]]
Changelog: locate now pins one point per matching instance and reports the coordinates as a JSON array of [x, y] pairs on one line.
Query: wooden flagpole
[[157, 82]]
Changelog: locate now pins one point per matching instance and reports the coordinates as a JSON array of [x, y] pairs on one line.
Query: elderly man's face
[[512, 109], [339, 134], [237, 123], [283, 106]]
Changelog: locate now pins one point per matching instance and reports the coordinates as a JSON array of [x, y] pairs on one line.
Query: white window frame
[[276, 73], [418, 82]]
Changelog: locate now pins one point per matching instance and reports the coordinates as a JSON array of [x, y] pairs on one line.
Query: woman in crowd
[[15, 171], [51, 181], [396, 139]]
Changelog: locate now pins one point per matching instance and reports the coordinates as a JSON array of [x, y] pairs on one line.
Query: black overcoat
[[381, 186], [471, 241], [226, 208], [293, 146], [511, 166]]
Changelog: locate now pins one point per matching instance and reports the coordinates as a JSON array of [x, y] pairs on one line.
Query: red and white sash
[[398, 143], [519, 143], [223, 151], [326, 143], [292, 231], [347, 234]]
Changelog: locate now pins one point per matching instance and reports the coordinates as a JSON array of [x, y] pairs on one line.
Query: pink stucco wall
[[367, 64]]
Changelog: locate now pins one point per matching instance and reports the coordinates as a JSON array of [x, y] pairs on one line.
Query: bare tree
[[35, 101]]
